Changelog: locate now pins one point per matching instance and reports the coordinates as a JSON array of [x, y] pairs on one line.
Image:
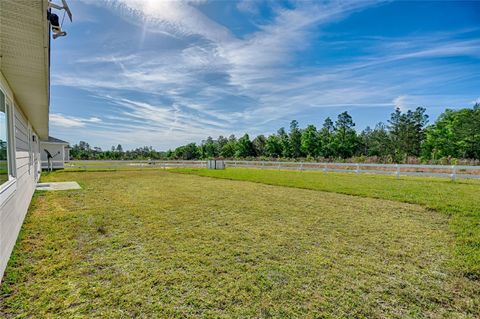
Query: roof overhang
[[53, 140], [24, 57], [53, 143]]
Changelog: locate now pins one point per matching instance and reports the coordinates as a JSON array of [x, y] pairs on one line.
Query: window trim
[[11, 148], [7, 189], [10, 186]]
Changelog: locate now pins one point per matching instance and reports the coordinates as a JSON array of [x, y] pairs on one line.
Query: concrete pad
[[57, 186]]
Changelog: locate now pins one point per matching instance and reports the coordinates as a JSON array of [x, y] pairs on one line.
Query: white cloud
[[92, 120], [178, 18], [174, 91], [107, 59], [58, 119], [249, 6], [400, 102]]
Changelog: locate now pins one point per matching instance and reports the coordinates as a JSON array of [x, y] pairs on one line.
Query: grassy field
[[152, 244], [460, 200]]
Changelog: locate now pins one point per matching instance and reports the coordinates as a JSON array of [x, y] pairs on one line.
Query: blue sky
[[166, 73]]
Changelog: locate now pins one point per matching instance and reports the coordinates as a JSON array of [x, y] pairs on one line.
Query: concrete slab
[[57, 186]]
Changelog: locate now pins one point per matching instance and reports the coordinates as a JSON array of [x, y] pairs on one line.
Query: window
[[4, 166]]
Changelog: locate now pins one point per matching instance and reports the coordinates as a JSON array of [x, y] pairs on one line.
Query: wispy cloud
[[70, 121], [400, 103], [176, 18], [187, 74], [107, 59]]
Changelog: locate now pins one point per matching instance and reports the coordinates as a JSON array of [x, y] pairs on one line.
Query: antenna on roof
[[53, 18]]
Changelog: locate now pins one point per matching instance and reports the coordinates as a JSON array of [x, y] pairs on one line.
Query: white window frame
[[30, 149], [9, 187]]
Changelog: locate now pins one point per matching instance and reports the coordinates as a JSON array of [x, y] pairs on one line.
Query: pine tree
[[310, 141], [259, 143], [295, 140], [326, 138], [285, 142], [345, 137]]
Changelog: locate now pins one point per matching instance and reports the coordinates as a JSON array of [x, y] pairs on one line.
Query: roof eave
[[25, 51]]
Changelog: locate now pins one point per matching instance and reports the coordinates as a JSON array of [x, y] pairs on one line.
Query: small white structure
[[58, 149], [215, 164]]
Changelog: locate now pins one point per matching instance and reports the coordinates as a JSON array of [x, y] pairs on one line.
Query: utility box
[[215, 164]]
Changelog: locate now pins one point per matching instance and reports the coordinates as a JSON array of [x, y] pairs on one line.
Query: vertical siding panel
[[13, 211]]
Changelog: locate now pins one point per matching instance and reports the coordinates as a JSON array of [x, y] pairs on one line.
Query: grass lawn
[[152, 244], [460, 200]]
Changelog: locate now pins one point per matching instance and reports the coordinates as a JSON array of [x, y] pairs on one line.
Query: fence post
[[324, 168], [454, 173], [278, 165], [301, 166], [398, 171], [358, 168]]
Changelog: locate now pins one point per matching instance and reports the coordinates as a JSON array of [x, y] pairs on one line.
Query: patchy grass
[[460, 200], [154, 244]]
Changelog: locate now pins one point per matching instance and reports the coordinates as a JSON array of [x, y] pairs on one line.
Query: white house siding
[[66, 158], [14, 209], [25, 80]]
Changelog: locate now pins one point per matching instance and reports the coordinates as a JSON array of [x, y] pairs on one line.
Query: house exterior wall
[[17, 196], [66, 158], [58, 152]]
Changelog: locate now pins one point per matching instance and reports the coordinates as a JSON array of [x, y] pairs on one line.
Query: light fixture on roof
[[53, 18]]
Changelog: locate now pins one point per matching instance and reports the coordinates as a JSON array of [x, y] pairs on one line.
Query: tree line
[[405, 136]]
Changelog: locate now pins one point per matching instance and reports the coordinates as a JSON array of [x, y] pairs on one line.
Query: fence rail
[[447, 171], [55, 164], [114, 164]]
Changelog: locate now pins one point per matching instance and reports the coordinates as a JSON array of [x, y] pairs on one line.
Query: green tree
[[187, 152], [273, 146], [345, 136], [244, 147], [310, 141], [380, 144], [221, 141], [326, 138], [365, 141], [456, 133], [295, 140], [229, 148], [259, 143], [209, 148], [284, 142], [170, 154], [407, 132], [418, 119]]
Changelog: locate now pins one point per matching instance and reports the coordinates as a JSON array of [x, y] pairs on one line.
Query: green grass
[[100, 166], [3, 171], [152, 244], [105, 166], [460, 200]]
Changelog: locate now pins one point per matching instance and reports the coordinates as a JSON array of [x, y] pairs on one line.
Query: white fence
[[54, 164], [116, 164], [448, 171]]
